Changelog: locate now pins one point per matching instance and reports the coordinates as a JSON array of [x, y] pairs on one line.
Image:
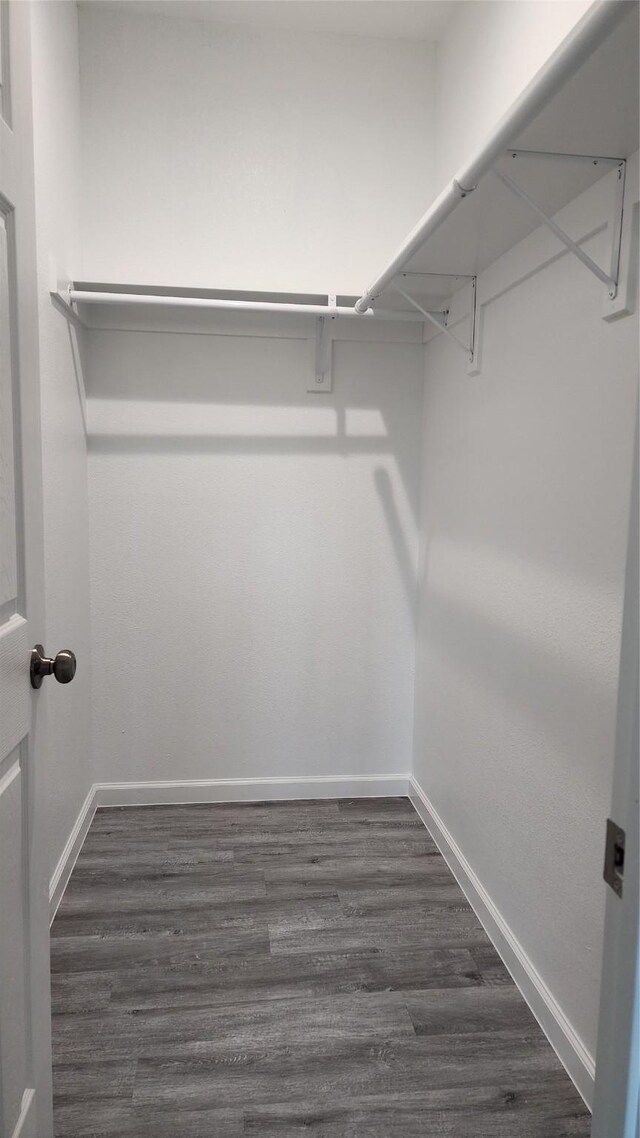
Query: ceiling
[[385, 19]]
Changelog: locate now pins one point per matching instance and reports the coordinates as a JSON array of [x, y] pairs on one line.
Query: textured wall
[[253, 554], [490, 50], [225, 157], [526, 481]]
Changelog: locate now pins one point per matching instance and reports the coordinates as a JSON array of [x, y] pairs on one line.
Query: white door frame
[[616, 1101]]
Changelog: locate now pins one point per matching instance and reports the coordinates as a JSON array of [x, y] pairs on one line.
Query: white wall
[[57, 184], [224, 157], [490, 50], [526, 482], [253, 556]]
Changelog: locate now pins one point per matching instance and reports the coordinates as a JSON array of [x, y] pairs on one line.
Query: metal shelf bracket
[[440, 319], [323, 378], [64, 304], [609, 276]]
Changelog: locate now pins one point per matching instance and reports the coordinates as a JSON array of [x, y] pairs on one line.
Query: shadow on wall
[[405, 554], [187, 395], [77, 350], [494, 624]]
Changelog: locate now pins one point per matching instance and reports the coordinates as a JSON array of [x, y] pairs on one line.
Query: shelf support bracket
[[616, 227], [323, 378], [439, 319], [610, 278], [61, 301]]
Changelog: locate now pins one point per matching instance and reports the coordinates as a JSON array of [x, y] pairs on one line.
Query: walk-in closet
[[319, 568]]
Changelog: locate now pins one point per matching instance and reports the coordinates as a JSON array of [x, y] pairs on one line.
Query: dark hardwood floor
[[287, 968]]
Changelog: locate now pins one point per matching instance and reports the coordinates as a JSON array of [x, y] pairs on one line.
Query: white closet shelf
[[575, 121]]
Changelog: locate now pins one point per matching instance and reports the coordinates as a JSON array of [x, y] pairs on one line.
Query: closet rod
[[80, 296], [568, 57]]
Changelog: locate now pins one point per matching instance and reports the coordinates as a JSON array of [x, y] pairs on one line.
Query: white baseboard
[[69, 856], [566, 1043], [250, 789], [212, 790]]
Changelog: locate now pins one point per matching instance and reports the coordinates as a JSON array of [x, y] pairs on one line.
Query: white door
[[25, 1063], [616, 1102]]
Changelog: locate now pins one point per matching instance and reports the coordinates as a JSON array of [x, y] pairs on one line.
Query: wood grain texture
[[284, 968]]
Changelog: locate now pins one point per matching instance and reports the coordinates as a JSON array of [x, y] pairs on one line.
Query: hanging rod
[[568, 57], [88, 296]]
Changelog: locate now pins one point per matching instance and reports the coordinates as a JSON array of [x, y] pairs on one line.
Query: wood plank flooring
[[287, 968]]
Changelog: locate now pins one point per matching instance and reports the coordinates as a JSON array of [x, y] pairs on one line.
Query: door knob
[[62, 666]]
